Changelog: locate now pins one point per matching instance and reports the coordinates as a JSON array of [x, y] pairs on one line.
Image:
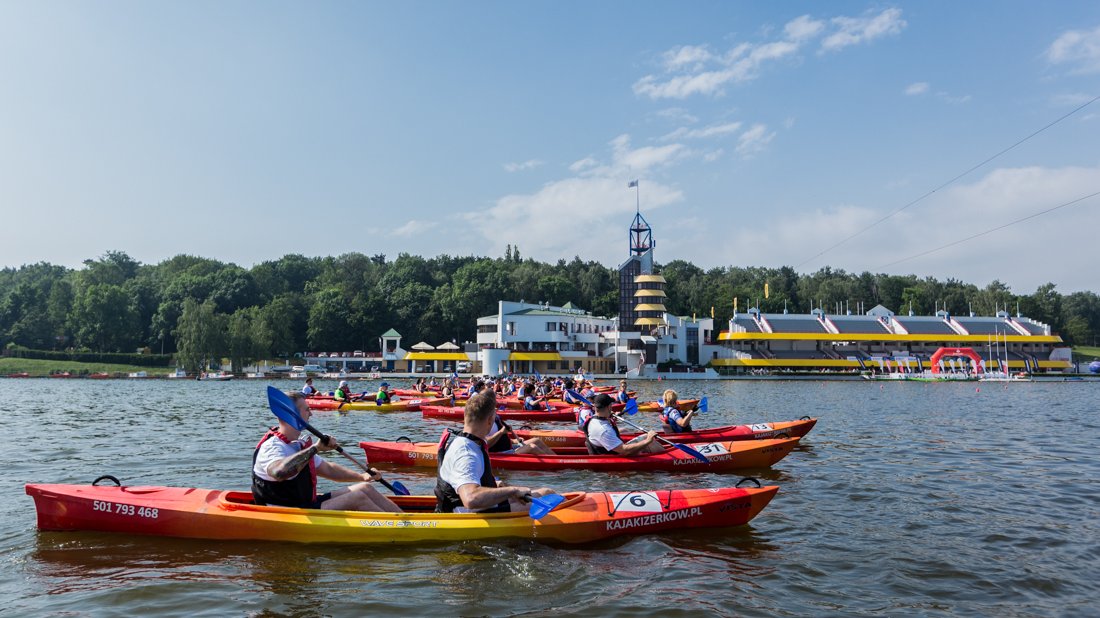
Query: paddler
[[500, 437], [342, 393], [622, 396], [672, 419], [532, 402], [308, 389], [285, 468], [384, 396], [465, 482], [601, 436]]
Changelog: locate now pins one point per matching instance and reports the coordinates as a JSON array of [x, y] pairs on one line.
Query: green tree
[[104, 319], [200, 335]]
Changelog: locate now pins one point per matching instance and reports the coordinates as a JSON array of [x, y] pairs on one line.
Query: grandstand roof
[[918, 325], [785, 323], [858, 324], [986, 326]]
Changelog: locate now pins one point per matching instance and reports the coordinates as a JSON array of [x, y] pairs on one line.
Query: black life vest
[[504, 443], [596, 449], [299, 491], [446, 496]]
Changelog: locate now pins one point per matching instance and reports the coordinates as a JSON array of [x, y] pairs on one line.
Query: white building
[[529, 337]]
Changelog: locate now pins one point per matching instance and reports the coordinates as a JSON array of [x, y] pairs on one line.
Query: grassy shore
[[37, 367], [1085, 351]]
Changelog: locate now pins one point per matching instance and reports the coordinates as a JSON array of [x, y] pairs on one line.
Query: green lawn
[[1086, 351], [37, 367]]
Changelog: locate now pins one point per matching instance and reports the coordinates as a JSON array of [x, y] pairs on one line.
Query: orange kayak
[[723, 456], [757, 431], [231, 515]]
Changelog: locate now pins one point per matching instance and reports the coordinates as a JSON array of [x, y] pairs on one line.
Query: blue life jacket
[[674, 427]]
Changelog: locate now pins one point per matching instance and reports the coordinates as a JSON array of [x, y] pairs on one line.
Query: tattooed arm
[[289, 467]]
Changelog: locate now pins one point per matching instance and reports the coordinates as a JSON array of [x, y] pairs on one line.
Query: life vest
[[595, 449], [623, 397], [341, 395], [505, 442], [382, 397], [583, 414], [446, 496], [674, 427], [530, 403], [299, 491]]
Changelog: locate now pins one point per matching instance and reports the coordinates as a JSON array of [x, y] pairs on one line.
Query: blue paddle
[[283, 408], [632, 408], [702, 407], [540, 507]]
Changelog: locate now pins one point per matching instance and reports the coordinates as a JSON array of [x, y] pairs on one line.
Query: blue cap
[[384, 385]]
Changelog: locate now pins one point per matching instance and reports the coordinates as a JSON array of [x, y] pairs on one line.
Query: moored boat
[[229, 515], [722, 456], [757, 431]]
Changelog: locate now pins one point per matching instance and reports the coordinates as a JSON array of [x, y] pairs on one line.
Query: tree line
[[199, 308]]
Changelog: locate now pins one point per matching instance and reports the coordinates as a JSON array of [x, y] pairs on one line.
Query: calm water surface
[[906, 499]]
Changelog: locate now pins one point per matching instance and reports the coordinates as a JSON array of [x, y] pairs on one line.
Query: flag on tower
[[765, 289], [633, 183]]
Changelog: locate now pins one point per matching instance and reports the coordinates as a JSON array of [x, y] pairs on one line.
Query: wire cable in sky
[[989, 231], [983, 163]]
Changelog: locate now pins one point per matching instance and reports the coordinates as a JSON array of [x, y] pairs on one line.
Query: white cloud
[[713, 155], [584, 164], [686, 55], [544, 223], [804, 27], [702, 133], [916, 88], [689, 70], [678, 115], [1002, 196], [1073, 99], [856, 30], [519, 167], [1080, 49], [414, 227], [754, 140]]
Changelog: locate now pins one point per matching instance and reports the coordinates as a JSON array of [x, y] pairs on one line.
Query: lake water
[[906, 499]]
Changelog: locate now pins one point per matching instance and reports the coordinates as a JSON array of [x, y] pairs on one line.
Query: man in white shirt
[[465, 482], [601, 436], [285, 468]]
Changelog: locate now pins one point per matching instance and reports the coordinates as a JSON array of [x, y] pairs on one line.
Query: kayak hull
[[456, 414], [405, 405], [723, 456], [759, 431], [225, 515]]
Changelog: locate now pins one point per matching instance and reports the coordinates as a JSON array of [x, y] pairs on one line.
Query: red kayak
[[759, 431], [401, 405], [722, 456], [456, 414]]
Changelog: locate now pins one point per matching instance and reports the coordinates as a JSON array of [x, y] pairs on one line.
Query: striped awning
[[534, 356]]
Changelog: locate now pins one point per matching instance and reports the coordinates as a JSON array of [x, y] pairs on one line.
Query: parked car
[[357, 354], [322, 355]]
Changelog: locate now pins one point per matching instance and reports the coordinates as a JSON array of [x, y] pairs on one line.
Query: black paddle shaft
[[324, 438]]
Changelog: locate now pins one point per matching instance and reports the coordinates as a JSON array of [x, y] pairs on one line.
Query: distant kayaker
[[622, 396], [465, 482], [285, 468], [672, 419], [384, 396], [500, 437], [420, 386], [601, 436], [531, 401], [343, 393], [308, 389]]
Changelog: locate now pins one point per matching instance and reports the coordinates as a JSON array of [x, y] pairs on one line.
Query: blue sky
[[761, 133]]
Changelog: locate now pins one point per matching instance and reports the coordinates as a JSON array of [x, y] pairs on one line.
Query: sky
[[856, 135]]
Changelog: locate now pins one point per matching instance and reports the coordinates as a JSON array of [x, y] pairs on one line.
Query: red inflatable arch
[[940, 353]]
